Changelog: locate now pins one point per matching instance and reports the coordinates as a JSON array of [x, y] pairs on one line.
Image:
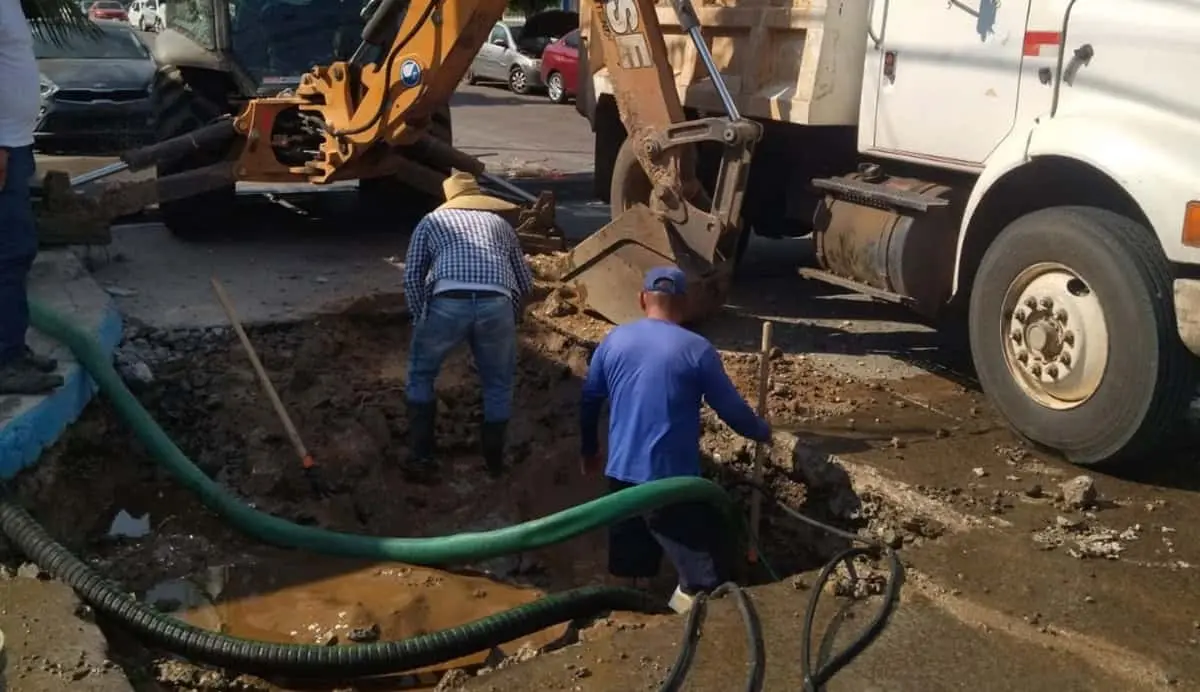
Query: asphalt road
[[930, 445]]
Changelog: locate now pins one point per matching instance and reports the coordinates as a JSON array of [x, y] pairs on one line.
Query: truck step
[[852, 285], [874, 194]]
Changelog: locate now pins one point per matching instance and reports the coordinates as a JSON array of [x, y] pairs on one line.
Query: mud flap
[[606, 270]]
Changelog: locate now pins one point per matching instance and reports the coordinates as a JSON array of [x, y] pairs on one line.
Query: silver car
[[513, 51]]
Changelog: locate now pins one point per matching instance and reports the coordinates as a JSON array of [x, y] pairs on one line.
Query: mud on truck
[[1030, 168]]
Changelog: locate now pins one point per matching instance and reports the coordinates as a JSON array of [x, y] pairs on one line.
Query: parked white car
[[145, 15]]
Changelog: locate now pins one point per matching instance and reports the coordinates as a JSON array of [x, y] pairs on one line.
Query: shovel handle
[[263, 379]]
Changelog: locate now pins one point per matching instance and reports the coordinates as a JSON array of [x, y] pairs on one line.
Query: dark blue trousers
[[693, 536], [18, 247]]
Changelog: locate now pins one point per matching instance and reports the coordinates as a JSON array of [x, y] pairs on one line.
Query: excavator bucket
[[606, 270]]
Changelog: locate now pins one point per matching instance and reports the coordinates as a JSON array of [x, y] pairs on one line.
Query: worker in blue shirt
[[654, 374]]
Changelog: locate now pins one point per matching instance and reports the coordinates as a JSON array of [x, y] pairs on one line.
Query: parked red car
[[108, 9], [560, 67]]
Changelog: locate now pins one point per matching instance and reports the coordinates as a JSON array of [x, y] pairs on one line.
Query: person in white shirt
[[21, 371]]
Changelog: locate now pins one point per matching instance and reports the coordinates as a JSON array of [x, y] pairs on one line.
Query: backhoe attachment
[[676, 221]]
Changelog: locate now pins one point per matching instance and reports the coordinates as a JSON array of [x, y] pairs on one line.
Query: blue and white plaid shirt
[[474, 247]]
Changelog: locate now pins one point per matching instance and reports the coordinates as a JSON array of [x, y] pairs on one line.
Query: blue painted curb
[[25, 436]]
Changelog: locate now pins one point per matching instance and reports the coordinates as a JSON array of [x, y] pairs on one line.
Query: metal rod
[[501, 182], [764, 379], [99, 173], [718, 81]]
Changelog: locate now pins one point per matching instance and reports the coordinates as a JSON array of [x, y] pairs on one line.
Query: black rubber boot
[[492, 438], [422, 417], [27, 378]]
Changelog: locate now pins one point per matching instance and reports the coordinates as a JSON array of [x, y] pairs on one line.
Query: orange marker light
[[1191, 224]]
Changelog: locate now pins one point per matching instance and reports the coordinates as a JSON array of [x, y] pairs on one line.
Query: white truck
[[1030, 167]]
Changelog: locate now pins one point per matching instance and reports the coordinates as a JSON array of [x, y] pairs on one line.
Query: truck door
[[948, 82]]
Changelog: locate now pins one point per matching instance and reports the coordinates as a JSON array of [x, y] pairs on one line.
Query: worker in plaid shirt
[[465, 278]]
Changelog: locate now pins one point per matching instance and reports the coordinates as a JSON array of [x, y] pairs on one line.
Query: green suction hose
[[459, 548], [307, 660]]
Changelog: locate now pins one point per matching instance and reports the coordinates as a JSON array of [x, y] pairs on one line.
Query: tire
[[556, 90], [630, 186], [1116, 396], [608, 133], [518, 81], [179, 109], [384, 198]]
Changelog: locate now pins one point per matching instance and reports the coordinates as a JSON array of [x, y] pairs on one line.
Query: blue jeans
[[18, 247], [489, 326]]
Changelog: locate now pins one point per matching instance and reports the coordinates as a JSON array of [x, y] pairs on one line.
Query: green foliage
[[57, 20]]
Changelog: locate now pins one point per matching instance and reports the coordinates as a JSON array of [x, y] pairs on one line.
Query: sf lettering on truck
[[622, 19]]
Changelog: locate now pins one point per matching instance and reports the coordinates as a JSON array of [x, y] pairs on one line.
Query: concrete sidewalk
[[28, 424]]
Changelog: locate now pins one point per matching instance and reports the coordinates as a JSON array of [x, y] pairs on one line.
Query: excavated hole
[[342, 379]]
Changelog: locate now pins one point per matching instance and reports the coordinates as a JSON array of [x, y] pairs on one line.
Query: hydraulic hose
[[444, 550], [306, 660]]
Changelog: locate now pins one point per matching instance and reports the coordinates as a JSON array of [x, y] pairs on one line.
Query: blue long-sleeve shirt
[[655, 375]]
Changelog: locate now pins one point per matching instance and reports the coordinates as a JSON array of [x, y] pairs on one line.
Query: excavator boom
[[671, 218]]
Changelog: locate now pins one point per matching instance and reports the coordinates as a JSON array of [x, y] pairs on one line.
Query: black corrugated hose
[[814, 679], [304, 660]]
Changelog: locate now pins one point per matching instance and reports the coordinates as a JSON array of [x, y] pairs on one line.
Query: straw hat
[[462, 192]]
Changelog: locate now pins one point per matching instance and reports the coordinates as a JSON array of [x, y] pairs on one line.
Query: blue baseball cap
[[668, 280]]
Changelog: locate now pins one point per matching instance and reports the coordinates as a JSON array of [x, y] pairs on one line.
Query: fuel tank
[[893, 247]]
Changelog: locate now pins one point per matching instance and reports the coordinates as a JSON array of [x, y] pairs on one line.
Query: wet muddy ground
[[342, 379], [999, 538]]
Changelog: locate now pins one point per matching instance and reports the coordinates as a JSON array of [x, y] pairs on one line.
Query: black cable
[[754, 639], [814, 679]]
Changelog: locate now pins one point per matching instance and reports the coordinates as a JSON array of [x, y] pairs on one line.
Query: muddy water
[[336, 602]]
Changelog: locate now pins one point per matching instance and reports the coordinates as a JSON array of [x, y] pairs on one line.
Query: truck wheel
[[179, 109], [630, 185], [1073, 334], [609, 133], [387, 196]]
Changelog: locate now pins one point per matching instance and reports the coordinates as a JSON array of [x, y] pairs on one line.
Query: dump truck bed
[[796, 61]]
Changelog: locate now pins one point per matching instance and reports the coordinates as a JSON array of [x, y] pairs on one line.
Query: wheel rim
[[517, 80], [556, 87], [1055, 336]]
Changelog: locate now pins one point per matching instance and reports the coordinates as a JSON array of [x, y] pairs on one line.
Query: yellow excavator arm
[[666, 216]]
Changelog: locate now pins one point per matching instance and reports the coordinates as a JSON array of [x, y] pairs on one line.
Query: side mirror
[[500, 42]]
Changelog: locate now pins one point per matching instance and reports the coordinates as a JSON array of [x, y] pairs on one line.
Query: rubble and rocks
[[1083, 540], [453, 679], [47, 646], [1079, 492]]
